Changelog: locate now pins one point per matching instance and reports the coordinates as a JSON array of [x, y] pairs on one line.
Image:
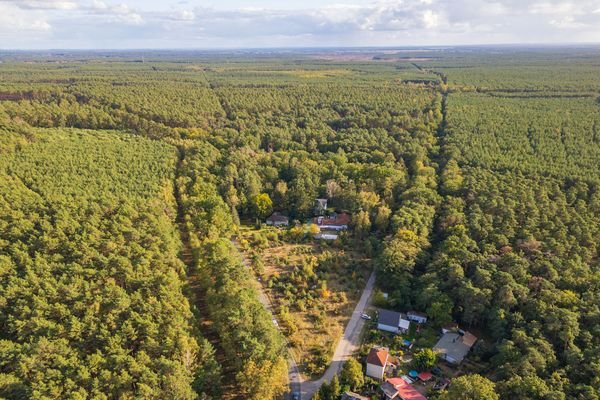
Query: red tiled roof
[[406, 391], [378, 357], [337, 219]]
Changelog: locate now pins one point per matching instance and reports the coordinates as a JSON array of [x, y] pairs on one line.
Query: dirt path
[[294, 376]]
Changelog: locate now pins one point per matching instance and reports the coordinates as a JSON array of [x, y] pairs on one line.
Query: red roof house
[[399, 389], [335, 221], [377, 360]]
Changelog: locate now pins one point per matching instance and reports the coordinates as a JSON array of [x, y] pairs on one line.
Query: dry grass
[[312, 317]]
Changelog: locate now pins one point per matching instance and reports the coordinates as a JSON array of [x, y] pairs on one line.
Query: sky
[[208, 24]]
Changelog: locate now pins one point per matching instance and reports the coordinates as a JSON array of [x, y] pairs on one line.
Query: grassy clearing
[[313, 287]]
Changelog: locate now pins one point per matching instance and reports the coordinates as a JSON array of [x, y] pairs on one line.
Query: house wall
[[387, 328], [450, 359], [375, 371], [334, 227], [404, 325]]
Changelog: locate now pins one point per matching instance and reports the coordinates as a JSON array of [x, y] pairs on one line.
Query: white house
[[392, 321], [417, 317], [376, 362]]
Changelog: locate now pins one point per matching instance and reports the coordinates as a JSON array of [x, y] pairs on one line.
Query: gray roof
[[389, 390], [353, 396], [453, 345], [390, 318]]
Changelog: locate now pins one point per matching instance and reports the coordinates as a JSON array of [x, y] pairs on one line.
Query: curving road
[[346, 347]]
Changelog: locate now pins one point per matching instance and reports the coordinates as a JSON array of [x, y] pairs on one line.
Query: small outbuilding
[[425, 376], [278, 219], [417, 317]]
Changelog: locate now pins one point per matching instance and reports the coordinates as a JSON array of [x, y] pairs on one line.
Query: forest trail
[[195, 291]]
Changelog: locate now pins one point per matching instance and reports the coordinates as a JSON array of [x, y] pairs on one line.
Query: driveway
[[347, 345]]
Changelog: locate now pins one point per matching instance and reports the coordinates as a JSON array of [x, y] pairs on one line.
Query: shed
[[425, 376], [278, 219], [417, 317]]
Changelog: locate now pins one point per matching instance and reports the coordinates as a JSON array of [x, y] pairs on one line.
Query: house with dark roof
[[454, 346], [278, 219], [399, 389], [377, 360], [392, 321]]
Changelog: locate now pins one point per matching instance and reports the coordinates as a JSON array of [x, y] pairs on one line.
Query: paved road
[[347, 346]]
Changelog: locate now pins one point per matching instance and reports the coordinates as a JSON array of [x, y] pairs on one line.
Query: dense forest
[[472, 181]]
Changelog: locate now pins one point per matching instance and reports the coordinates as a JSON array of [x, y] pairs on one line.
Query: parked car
[[436, 371], [295, 396], [275, 322], [365, 316]]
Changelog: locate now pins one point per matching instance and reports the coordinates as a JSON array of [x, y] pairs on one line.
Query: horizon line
[[342, 47]]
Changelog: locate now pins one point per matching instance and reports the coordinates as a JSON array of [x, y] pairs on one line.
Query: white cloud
[[138, 23], [99, 5], [16, 20], [568, 22], [549, 8], [44, 4], [431, 19], [114, 13]]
